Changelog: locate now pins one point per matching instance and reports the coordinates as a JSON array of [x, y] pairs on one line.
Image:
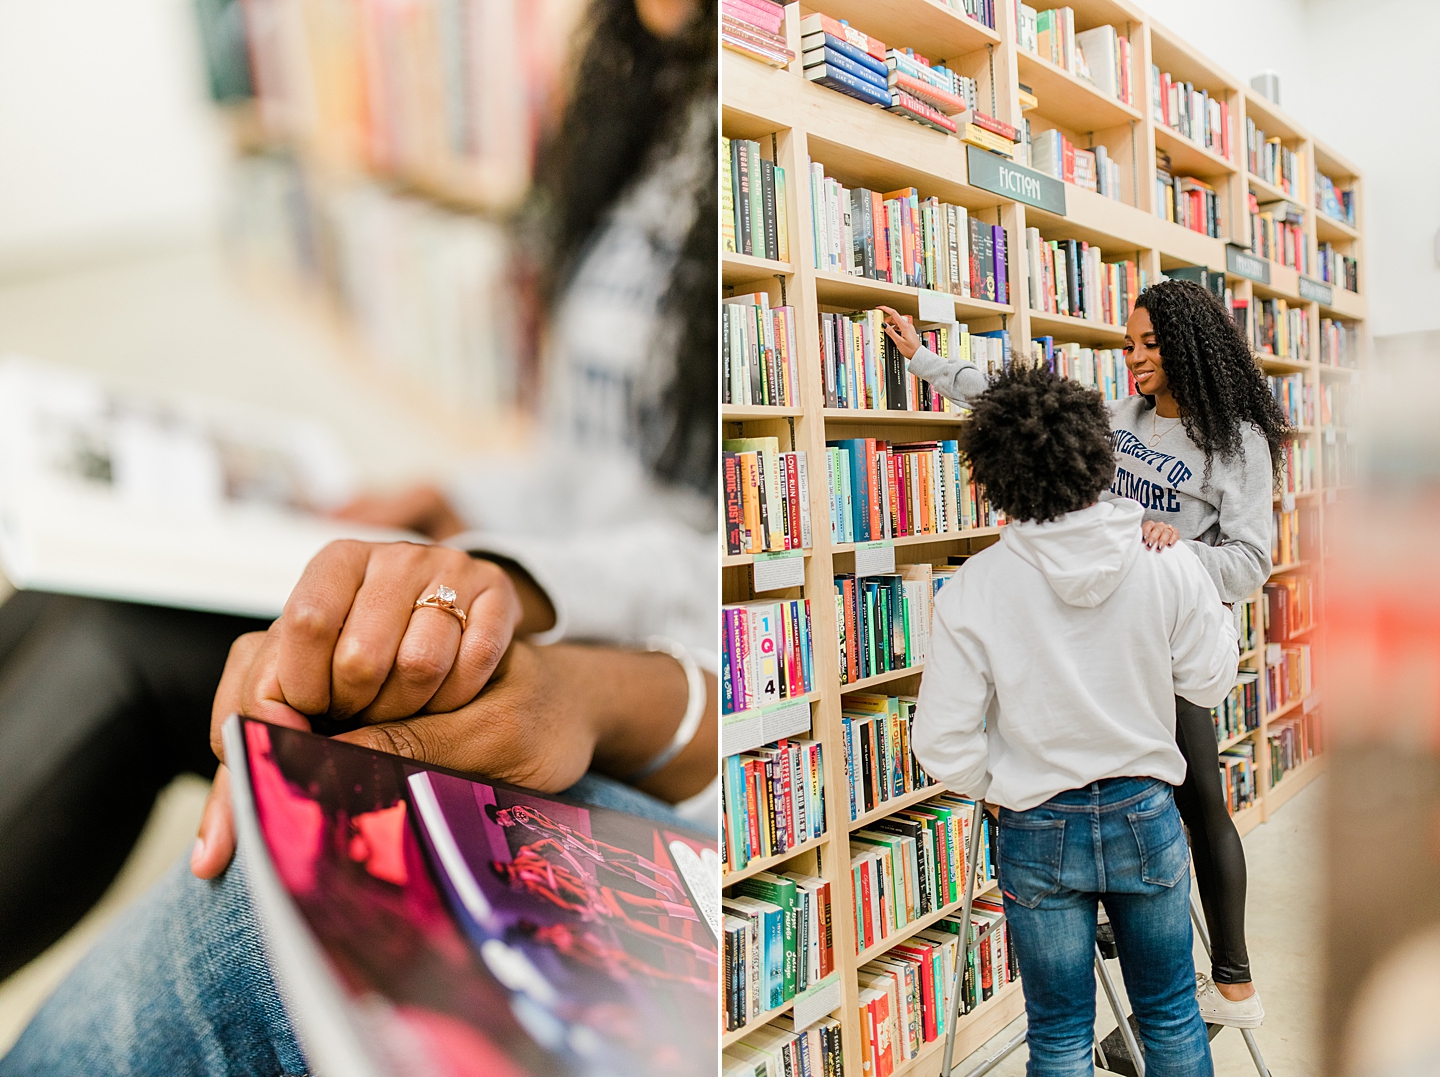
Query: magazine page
[[476, 928]]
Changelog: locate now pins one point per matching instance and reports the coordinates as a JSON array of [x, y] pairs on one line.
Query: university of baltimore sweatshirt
[[1056, 656], [1225, 518]]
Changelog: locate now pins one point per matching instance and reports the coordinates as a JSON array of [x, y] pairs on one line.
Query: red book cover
[[1068, 167], [792, 499], [734, 510], [911, 105], [1225, 130], [933, 96], [761, 13], [885, 1055], [1165, 100], [787, 802], [877, 227], [867, 939], [827, 931], [833, 27], [872, 477], [753, 803]]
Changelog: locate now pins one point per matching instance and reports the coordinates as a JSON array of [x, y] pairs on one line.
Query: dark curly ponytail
[[1212, 372]]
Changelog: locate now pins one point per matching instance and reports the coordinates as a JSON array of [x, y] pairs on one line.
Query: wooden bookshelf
[[860, 145]]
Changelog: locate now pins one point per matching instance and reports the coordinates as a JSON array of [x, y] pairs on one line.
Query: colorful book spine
[[773, 799], [766, 652]]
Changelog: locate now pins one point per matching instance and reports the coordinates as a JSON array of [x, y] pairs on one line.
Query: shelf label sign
[[775, 571], [1009, 180], [874, 558], [817, 1002], [1315, 291], [749, 729], [936, 306], [1242, 263]]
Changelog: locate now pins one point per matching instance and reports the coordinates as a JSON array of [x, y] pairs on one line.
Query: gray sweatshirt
[[1226, 520]]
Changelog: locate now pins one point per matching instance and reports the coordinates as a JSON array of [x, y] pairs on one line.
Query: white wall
[[1364, 79], [107, 144]]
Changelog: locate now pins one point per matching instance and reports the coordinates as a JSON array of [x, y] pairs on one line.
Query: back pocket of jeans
[[1164, 857], [1030, 852]]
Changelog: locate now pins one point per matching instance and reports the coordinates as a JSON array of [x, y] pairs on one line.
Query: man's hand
[[419, 508], [902, 331], [1157, 536]]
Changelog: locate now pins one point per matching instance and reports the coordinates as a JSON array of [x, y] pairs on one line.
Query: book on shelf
[[491, 925], [1099, 368], [1192, 112], [1100, 55], [1294, 740], [766, 653], [759, 360], [755, 28], [772, 799], [1333, 200], [884, 490], [879, 765], [863, 369], [1239, 712], [1106, 56], [754, 191], [879, 621], [1270, 160], [1295, 397], [1339, 343], [786, 953], [767, 497], [1189, 202], [865, 76], [946, 91], [1055, 155], [1279, 329], [1288, 674], [1277, 232], [780, 1050], [1289, 606], [1239, 776], [1285, 537], [900, 238], [1212, 280], [1337, 403], [1297, 472], [1337, 268], [1070, 277]]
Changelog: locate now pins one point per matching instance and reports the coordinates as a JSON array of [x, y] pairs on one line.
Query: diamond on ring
[[444, 594]]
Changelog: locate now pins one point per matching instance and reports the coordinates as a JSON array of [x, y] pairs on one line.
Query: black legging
[[102, 704], [1214, 843]]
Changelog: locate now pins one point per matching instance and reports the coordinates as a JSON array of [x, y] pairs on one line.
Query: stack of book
[[1238, 776], [1339, 343], [759, 362], [1285, 537], [752, 202], [1099, 368], [885, 490], [1295, 398], [777, 1048], [900, 238], [767, 497], [1068, 276], [1277, 232], [1333, 201], [755, 28], [1293, 740], [1280, 330], [1192, 112], [937, 97], [773, 800], [840, 57], [878, 762], [778, 929], [1189, 202], [1289, 607], [1287, 674], [1337, 268], [766, 654], [864, 370], [1240, 711], [1268, 159], [1055, 155]]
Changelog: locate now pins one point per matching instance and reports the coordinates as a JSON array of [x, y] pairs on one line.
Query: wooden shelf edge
[[740, 412], [730, 560], [880, 678], [891, 806], [1294, 780], [765, 863], [920, 540], [760, 1021], [910, 930]]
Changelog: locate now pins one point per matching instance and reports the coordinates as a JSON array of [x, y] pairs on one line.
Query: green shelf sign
[[1009, 180]]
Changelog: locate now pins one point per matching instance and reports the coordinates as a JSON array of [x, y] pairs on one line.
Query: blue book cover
[[848, 84], [833, 57], [850, 52]]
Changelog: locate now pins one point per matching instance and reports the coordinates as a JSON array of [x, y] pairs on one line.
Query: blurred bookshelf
[[1213, 186]]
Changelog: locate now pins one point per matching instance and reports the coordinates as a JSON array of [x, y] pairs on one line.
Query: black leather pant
[[1214, 843], [102, 704]]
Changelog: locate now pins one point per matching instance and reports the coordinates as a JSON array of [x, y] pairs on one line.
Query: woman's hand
[[547, 716], [420, 508], [902, 332], [1157, 535]]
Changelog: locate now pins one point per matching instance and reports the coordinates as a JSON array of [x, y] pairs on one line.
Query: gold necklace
[[1154, 425]]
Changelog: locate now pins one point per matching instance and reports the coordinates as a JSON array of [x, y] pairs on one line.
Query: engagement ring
[[443, 599]]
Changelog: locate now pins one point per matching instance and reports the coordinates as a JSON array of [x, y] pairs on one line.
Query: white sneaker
[[1216, 1009]]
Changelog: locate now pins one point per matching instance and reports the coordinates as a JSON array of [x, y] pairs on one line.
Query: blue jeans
[[1120, 841], [179, 986]]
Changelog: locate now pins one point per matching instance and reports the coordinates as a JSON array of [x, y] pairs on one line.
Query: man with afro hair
[[1049, 690]]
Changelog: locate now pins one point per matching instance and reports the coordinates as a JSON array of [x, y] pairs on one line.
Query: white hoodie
[[1056, 655]]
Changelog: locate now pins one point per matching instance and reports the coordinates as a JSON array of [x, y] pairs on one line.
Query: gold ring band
[[443, 598]]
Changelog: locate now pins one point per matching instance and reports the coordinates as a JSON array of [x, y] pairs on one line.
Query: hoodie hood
[[1083, 555]]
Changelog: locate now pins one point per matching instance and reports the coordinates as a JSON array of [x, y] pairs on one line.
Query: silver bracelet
[[694, 707]]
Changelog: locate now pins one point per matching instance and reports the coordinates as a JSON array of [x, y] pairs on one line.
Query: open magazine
[[187, 502], [422, 922]]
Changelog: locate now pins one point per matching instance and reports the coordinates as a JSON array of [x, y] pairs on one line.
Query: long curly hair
[[631, 100], [1038, 443], [1212, 372]]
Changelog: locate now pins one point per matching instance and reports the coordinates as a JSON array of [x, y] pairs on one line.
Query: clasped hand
[[350, 646]]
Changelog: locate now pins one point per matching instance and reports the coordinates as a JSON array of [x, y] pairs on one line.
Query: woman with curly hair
[[1199, 447]]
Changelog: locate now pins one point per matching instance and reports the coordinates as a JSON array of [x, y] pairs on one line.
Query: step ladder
[[1120, 1051]]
